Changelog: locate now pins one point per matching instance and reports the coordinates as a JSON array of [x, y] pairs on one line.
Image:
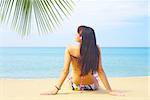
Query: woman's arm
[[65, 71], [103, 78], [102, 74]]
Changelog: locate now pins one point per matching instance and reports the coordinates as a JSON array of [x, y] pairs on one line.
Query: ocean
[[47, 62]]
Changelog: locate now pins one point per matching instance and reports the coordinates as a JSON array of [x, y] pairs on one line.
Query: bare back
[[75, 53]]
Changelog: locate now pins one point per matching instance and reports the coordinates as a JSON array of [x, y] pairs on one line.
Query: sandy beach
[[134, 88]]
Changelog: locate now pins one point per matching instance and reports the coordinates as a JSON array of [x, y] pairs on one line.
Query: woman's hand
[[116, 93], [54, 91]]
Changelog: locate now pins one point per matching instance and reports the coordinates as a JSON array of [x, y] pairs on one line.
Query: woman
[[86, 61]]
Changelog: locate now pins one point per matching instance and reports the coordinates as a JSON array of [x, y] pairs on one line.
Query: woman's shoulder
[[98, 46], [73, 47], [74, 50]]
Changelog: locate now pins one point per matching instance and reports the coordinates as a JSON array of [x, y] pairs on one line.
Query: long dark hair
[[89, 52]]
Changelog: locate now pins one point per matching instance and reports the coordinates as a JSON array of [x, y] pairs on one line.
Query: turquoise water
[[47, 62]]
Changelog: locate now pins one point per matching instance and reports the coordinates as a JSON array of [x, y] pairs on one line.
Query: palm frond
[[48, 14]]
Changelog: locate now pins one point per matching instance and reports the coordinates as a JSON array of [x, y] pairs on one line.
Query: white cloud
[[100, 14], [113, 10]]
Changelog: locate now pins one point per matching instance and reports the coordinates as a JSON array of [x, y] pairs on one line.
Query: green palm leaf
[[48, 14]]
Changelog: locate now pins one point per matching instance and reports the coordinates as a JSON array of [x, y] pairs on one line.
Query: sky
[[117, 23]]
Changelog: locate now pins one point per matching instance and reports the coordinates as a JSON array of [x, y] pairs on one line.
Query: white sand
[[134, 88]]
